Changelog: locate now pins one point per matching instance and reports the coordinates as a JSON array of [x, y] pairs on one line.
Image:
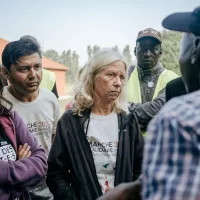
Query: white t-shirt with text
[[40, 115], [102, 135]]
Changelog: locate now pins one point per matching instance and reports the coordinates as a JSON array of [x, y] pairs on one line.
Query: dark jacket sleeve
[[168, 92], [146, 111], [58, 175], [138, 152], [175, 88], [28, 171]]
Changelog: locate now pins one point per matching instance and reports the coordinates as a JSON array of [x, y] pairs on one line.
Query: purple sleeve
[[28, 171]]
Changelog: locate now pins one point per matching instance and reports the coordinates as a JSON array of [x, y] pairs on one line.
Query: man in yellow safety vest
[[146, 84], [49, 81]]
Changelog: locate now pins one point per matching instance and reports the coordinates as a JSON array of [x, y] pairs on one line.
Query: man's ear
[[5, 72], [135, 51], [196, 51], [161, 51]]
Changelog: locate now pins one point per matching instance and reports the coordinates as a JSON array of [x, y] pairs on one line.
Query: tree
[[65, 58], [89, 52], [71, 60], [171, 48], [95, 49], [127, 55], [75, 65], [115, 48], [52, 54]]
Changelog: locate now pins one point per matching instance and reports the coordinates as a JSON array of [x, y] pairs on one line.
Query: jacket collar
[[9, 128], [123, 117], [84, 116], [156, 69]]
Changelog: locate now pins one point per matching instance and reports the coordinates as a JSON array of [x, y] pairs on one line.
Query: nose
[[32, 73], [147, 53], [118, 82]]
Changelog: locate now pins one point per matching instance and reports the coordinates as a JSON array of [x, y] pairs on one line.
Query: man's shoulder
[[182, 107], [46, 94], [175, 88], [5, 91], [175, 82], [6, 94], [170, 74]]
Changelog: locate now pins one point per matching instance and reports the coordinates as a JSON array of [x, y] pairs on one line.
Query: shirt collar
[[153, 70]]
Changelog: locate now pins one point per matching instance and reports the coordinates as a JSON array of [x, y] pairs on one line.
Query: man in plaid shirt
[[171, 165]]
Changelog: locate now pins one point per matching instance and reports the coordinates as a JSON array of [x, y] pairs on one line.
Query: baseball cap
[[188, 22], [149, 32]]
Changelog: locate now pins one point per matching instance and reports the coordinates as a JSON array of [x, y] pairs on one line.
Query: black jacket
[[71, 169]]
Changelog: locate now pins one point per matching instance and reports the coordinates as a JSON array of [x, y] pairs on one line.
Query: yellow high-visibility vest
[[134, 91], [48, 79]]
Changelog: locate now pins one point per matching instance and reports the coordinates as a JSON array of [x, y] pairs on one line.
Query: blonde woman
[[98, 145]]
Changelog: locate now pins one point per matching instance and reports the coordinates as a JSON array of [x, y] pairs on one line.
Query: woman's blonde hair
[[84, 89]]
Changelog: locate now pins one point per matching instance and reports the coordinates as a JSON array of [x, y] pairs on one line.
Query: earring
[[193, 60]]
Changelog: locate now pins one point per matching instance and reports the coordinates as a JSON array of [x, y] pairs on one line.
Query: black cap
[[188, 22]]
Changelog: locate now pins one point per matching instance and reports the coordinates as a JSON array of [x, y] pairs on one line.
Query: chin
[[112, 99], [32, 90]]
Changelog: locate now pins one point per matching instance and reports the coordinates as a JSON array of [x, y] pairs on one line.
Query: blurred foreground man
[[171, 158]]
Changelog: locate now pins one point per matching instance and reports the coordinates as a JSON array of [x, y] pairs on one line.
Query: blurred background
[[70, 32]]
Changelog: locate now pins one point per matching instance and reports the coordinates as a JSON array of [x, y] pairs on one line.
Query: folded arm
[[28, 171]]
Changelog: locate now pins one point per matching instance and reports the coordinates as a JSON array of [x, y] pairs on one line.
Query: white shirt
[[40, 115], [102, 135]]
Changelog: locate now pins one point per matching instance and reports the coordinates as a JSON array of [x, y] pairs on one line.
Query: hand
[[23, 151], [124, 191]]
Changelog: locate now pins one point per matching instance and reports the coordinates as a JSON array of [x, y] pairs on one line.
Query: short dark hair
[[14, 50], [33, 39]]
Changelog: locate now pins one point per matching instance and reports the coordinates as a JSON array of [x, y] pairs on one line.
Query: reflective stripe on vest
[[134, 92], [48, 79]]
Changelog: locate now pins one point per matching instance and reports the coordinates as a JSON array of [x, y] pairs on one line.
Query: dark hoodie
[[16, 176]]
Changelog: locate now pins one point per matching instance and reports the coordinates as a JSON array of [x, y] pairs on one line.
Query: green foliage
[[89, 52], [52, 54], [127, 55], [169, 58], [126, 52], [71, 60], [92, 50], [171, 48], [115, 48]]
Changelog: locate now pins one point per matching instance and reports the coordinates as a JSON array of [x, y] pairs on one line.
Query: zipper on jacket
[[119, 143], [120, 129]]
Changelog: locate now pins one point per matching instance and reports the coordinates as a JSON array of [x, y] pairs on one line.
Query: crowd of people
[[118, 138]]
